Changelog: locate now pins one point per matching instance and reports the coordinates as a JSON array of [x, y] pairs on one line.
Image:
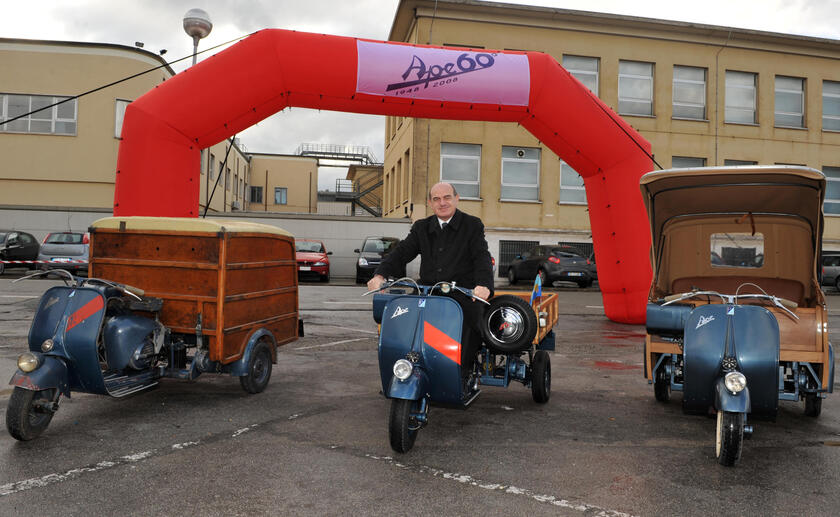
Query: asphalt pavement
[[316, 441]]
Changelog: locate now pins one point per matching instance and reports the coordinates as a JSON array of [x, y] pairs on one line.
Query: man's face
[[443, 201]]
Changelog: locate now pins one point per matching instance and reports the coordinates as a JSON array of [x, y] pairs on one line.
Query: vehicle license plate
[[60, 259], [304, 268], [575, 273]]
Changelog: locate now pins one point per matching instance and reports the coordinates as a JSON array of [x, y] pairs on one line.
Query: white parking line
[[18, 296], [498, 487], [351, 303], [331, 344], [348, 328]]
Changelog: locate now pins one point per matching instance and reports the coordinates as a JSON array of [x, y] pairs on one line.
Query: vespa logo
[[439, 75], [703, 321], [399, 311]]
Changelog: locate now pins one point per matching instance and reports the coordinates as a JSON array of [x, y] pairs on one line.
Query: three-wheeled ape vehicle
[[420, 350], [207, 296], [736, 319]]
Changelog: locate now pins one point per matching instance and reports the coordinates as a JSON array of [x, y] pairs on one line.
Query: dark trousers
[[470, 332]]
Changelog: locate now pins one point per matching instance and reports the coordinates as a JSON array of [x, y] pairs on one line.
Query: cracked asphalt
[[316, 442]]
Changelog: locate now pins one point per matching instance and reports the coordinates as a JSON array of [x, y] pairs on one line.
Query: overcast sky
[[158, 24]]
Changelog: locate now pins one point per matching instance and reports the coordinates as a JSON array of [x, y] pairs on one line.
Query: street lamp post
[[197, 25]]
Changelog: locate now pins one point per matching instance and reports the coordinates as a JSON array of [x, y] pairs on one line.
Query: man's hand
[[481, 292], [375, 282]]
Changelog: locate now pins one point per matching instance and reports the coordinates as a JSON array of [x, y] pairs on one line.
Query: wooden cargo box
[[232, 277]]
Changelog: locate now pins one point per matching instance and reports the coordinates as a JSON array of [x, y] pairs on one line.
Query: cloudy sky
[[157, 23]]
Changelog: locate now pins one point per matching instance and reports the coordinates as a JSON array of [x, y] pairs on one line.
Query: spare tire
[[509, 324]]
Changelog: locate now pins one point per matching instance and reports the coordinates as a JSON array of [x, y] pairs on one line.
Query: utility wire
[[68, 99], [219, 177]]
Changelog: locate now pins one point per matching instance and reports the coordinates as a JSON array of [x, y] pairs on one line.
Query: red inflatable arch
[[165, 129]]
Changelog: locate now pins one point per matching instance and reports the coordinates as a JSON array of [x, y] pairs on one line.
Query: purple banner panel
[[443, 74]]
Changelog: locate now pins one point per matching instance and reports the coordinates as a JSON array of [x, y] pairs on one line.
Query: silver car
[[65, 250], [831, 269]]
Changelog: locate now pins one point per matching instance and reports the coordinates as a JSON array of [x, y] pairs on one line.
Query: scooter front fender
[[51, 374], [726, 401], [413, 388]]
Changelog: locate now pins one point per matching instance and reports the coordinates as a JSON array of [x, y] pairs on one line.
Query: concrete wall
[[341, 235]]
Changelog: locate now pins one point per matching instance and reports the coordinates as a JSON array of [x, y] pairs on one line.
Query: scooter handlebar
[[136, 291]]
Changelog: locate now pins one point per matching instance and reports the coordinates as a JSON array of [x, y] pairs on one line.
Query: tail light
[[86, 238], [554, 260], [588, 263], [492, 261]]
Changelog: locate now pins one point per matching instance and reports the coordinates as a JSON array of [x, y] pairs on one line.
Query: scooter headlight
[[735, 382], [47, 345], [28, 362], [402, 369]]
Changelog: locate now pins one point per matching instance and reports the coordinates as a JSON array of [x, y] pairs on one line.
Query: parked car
[[65, 250], [312, 259], [831, 269], [552, 264], [15, 245], [370, 255]]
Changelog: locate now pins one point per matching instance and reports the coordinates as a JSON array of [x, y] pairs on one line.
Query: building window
[[687, 162], [689, 99], [790, 101], [459, 165], [635, 88], [119, 115], [520, 174], [831, 106], [227, 178], [256, 195], [584, 69], [571, 185], [279, 195], [210, 169], [56, 120], [740, 97], [739, 162], [832, 190]]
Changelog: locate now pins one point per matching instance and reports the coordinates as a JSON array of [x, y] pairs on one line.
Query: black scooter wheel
[[25, 419], [402, 427], [541, 377], [729, 437], [259, 369], [509, 324]]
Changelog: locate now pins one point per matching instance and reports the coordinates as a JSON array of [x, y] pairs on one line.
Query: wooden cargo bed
[[232, 277]]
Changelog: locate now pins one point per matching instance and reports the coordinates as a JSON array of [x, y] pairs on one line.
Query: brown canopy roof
[[771, 189]]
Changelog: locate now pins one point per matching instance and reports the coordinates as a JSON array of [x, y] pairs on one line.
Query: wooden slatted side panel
[[260, 290], [182, 269]]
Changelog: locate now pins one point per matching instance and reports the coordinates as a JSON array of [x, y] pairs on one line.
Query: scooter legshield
[[430, 327], [754, 334], [72, 318]]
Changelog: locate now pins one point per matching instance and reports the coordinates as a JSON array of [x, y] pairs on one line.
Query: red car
[[312, 259]]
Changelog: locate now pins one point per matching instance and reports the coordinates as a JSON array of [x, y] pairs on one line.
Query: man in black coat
[[452, 248]]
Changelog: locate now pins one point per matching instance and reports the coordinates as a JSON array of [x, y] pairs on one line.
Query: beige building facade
[[702, 95], [283, 183], [66, 155]]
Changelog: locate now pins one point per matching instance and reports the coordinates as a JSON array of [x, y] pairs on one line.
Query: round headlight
[[735, 382], [363, 261], [445, 288], [402, 369], [47, 345], [28, 362]]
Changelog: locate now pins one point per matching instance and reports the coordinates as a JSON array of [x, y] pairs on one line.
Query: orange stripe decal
[[441, 342], [84, 312]]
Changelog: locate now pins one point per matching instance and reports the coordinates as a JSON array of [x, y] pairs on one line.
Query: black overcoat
[[457, 253]]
